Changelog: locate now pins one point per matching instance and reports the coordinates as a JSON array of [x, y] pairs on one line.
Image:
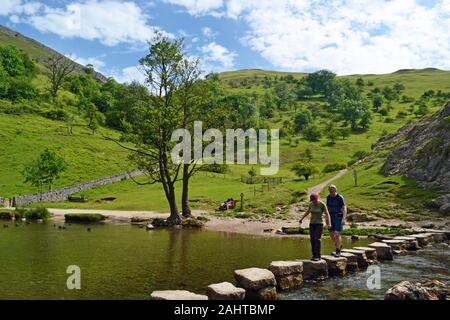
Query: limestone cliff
[[421, 151]]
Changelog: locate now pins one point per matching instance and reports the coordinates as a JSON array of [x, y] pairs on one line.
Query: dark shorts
[[336, 222]]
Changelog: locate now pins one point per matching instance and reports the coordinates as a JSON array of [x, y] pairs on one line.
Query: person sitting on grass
[[338, 209], [318, 210]]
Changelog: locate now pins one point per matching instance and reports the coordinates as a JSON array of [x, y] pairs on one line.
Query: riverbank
[[257, 227]]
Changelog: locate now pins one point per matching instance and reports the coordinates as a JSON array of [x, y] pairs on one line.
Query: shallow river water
[[126, 262]]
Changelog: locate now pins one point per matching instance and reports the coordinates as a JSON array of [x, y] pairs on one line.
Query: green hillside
[[36, 50], [397, 192], [331, 136]]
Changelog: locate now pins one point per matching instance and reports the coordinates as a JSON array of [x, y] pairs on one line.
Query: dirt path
[[318, 188]]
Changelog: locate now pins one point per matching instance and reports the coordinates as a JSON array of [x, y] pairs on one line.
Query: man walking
[[338, 210]]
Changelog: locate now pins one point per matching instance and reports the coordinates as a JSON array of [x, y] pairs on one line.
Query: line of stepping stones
[[262, 284]]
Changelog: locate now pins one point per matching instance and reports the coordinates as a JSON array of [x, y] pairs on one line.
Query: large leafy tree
[[320, 81], [302, 119], [347, 100]]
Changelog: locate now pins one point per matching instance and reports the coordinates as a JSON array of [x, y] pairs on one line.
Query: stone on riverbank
[[176, 295], [371, 254], [314, 270], [384, 251], [352, 261], [405, 290], [259, 284], [224, 291], [361, 255], [288, 274], [411, 243], [337, 266]]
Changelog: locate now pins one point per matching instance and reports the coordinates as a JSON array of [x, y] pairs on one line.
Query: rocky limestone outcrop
[[405, 290], [421, 151]]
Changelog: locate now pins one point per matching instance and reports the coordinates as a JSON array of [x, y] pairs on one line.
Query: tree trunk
[[174, 217], [185, 194]]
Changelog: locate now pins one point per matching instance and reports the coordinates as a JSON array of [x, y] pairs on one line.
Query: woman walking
[[318, 210]]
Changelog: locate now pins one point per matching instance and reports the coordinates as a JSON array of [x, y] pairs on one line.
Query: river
[[127, 262]]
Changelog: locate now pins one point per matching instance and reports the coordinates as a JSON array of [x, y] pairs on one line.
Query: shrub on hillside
[[331, 167], [83, 217], [56, 114], [312, 133], [215, 167]]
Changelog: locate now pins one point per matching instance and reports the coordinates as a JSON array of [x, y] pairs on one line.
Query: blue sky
[[346, 36]]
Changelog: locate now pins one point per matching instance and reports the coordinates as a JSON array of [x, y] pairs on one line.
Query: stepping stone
[[423, 238], [268, 293], [314, 270], [254, 278], [352, 261], [411, 242], [371, 254], [284, 268], [288, 274], [176, 295], [396, 244], [337, 266], [439, 236], [258, 283], [384, 251], [224, 291], [362, 258]]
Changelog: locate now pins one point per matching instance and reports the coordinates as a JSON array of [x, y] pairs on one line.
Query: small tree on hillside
[[302, 119], [93, 116], [330, 131], [305, 170], [307, 156], [58, 68], [377, 102], [344, 132], [44, 170], [312, 133]]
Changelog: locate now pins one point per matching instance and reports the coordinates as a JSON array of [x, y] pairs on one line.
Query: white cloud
[[208, 32], [217, 57], [108, 21], [351, 36], [129, 74], [199, 7], [16, 7], [346, 36], [9, 6], [97, 62]]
